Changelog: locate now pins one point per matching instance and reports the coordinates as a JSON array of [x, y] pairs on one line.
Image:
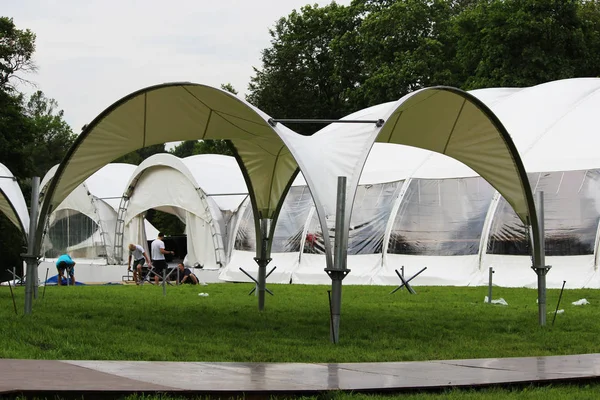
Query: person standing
[[157, 252], [139, 256], [66, 264]]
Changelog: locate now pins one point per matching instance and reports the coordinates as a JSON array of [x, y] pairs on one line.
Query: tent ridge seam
[[145, 118], [455, 122]]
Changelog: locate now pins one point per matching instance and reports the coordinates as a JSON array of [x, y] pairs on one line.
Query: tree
[[52, 136], [404, 46], [525, 42], [184, 149], [136, 157], [306, 71], [229, 88], [16, 49], [16, 134]]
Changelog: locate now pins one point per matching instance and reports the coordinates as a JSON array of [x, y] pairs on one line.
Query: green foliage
[[526, 42], [136, 157], [193, 147], [309, 66], [325, 62], [166, 223], [33, 133], [16, 50], [52, 136], [229, 88]]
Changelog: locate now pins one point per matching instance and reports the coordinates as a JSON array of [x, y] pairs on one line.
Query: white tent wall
[[163, 186], [200, 242], [135, 232], [75, 225]]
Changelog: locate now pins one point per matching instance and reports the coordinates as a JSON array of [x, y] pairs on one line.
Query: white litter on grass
[[500, 301], [558, 312], [203, 294], [580, 302]]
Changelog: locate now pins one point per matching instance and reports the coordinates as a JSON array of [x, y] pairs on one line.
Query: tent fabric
[[461, 127], [98, 198], [182, 111], [168, 189], [12, 202], [186, 182], [443, 120]]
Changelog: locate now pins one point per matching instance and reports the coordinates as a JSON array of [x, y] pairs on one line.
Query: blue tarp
[[54, 281]]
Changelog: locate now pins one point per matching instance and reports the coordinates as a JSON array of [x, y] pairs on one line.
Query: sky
[[91, 53]]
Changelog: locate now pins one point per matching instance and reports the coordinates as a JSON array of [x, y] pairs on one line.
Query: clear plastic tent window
[[443, 217], [74, 233], [571, 215]]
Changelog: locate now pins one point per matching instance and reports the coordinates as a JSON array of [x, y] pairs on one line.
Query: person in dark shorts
[[65, 264], [138, 254], [157, 252], [186, 276]]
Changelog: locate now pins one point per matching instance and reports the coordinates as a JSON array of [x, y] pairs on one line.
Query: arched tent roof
[[182, 111], [211, 170], [12, 202], [220, 178], [98, 198], [107, 184], [546, 118], [440, 119]]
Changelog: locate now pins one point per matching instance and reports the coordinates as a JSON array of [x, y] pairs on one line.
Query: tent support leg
[[339, 270], [540, 267], [262, 262], [31, 259]]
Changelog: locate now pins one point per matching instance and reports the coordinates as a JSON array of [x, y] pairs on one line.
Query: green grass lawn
[[139, 323]]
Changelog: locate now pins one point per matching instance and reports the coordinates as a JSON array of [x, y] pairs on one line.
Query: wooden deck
[[68, 378]]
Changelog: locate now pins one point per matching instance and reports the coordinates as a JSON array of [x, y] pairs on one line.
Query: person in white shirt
[[139, 255], [157, 252]]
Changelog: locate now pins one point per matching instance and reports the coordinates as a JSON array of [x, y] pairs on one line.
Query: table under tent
[[416, 208]]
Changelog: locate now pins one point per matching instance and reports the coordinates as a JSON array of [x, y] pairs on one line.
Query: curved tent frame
[[12, 202], [175, 163], [177, 112], [441, 119]]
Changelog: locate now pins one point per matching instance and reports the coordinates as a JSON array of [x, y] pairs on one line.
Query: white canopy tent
[[269, 153], [83, 224], [436, 212], [12, 202], [201, 190]]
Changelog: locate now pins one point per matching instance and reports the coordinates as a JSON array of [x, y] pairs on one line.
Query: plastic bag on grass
[[558, 312], [580, 302], [500, 301]]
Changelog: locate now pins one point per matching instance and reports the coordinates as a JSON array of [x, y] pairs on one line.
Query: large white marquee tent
[[413, 208], [416, 208]]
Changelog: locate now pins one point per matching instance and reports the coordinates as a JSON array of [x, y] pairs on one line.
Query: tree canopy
[[325, 62]]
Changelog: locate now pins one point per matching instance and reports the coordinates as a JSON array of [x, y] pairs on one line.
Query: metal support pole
[[490, 285], [339, 270], [30, 258], [540, 267], [45, 283], [262, 262]]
